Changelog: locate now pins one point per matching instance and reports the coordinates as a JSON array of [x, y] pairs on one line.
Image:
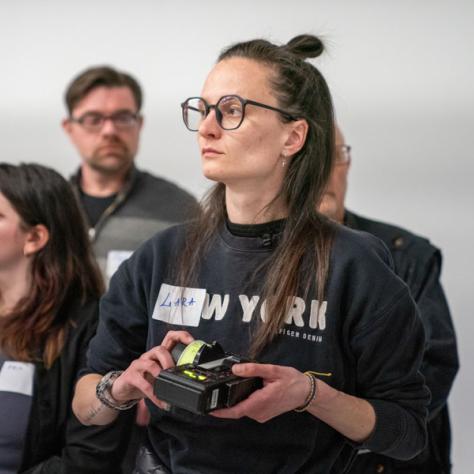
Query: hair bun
[[305, 46]]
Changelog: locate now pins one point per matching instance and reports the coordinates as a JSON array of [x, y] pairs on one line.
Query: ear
[[296, 137], [37, 237], [66, 125], [141, 121]]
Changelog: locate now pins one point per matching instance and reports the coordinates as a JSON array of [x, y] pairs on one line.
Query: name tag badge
[[179, 305], [114, 259], [17, 377]]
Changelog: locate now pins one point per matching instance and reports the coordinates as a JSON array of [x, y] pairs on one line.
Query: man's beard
[[111, 162]]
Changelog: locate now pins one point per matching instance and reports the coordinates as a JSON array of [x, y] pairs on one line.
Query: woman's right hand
[[138, 379]]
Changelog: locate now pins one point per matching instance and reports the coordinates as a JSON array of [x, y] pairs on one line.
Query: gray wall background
[[401, 74]]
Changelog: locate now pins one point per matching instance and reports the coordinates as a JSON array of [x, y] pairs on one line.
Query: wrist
[[105, 396], [117, 391], [326, 398], [312, 393]]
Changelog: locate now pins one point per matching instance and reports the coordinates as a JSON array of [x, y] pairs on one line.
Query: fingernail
[[237, 369]]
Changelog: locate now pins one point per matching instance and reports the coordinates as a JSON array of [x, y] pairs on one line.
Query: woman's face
[[12, 236], [251, 154]]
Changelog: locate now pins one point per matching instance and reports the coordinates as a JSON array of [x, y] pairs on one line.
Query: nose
[[209, 126], [108, 127]]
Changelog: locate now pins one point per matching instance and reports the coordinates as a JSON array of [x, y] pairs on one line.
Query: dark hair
[[63, 270], [301, 91], [98, 76]]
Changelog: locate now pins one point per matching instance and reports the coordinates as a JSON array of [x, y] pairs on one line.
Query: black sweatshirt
[[366, 337]]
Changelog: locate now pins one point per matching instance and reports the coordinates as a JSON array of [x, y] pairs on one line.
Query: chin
[[212, 176], [213, 172], [111, 164]]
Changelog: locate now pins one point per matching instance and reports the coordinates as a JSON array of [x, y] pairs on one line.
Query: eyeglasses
[[230, 111], [343, 154], [94, 121]]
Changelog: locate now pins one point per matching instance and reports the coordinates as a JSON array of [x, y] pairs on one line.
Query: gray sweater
[[146, 204]]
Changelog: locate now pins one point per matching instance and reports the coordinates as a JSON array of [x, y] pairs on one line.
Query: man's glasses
[[343, 154], [229, 109], [94, 121]]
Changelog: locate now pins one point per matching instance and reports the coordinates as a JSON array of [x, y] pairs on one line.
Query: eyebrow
[[119, 111]]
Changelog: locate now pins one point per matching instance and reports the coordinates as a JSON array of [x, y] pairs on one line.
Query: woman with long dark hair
[[335, 334], [49, 291]]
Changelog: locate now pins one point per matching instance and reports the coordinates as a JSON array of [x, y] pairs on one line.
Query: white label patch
[[114, 259], [17, 377], [179, 305]]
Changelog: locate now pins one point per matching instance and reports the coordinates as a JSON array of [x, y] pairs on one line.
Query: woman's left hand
[[284, 389]]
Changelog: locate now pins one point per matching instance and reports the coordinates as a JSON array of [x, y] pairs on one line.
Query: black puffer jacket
[[418, 264], [147, 463]]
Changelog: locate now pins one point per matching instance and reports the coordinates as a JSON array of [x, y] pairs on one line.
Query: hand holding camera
[[203, 380]]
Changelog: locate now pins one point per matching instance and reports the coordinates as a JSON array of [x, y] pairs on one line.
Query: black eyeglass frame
[[219, 117], [80, 120]]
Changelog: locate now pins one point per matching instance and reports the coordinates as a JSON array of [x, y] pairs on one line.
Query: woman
[[264, 274], [49, 288]]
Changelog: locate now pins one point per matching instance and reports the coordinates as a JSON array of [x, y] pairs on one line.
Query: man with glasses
[[418, 263], [123, 205]]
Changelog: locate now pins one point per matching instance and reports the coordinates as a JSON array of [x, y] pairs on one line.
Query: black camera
[[202, 379]]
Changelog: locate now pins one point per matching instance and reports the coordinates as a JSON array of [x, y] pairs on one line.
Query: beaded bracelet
[[311, 395]]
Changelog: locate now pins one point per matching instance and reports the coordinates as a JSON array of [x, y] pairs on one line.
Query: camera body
[[202, 380]]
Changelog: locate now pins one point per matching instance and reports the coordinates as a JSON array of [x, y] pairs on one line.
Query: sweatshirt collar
[[254, 237]]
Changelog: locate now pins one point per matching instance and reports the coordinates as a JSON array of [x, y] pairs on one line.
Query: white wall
[[401, 74]]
